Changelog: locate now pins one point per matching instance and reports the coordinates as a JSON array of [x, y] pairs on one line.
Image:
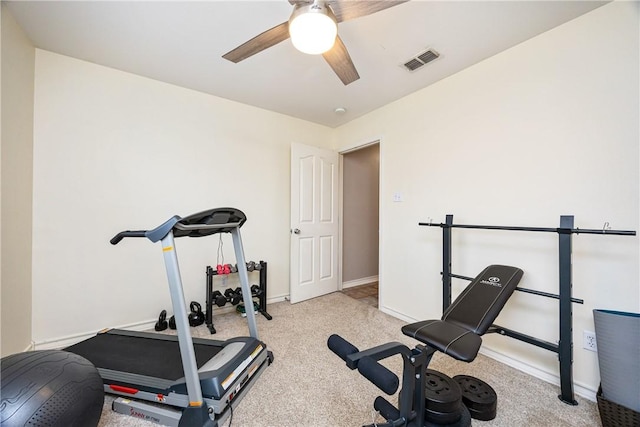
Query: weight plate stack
[[443, 399], [478, 396], [464, 421]]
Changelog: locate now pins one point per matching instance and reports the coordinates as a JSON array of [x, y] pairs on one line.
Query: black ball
[[50, 388]]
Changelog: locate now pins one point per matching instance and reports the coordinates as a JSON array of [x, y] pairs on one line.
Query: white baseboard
[[579, 389], [62, 342], [358, 282], [280, 298], [396, 314], [30, 347]]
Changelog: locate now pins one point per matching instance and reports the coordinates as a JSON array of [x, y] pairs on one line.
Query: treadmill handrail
[[155, 235], [174, 222], [128, 233]]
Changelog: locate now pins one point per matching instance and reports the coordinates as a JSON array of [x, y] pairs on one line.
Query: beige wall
[[17, 154], [116, 151], [361, 176], [546, 128]]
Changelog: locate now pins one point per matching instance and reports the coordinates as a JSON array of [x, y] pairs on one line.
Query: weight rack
[[564, 348], [261, 294]]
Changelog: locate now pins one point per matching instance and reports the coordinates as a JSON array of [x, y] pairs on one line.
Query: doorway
[[315, 229], [360, 224]]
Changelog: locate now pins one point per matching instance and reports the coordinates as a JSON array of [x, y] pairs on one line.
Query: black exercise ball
[[49, 388]]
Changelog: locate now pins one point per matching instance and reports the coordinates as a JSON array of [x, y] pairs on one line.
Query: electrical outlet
[[589, 341]]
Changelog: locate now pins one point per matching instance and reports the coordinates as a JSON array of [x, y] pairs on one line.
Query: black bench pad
[[449, 338], [471, 314]]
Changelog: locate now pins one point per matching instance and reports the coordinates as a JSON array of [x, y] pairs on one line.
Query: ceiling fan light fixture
[[313, 28]]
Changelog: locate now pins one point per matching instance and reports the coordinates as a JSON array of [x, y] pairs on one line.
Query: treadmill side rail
[[219, 386], [165, 415]]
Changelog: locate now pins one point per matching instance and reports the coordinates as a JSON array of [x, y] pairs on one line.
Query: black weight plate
[[486, 415], [442, 393], [443, 417], [464, 421], [478, 396]]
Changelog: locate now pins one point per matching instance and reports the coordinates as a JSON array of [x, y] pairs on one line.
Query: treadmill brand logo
[[143, 416], [492, 281]]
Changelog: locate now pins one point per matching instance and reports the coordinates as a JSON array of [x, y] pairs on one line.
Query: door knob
[[296, 231]]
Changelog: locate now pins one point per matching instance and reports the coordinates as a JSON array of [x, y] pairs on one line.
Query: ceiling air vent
[[421, 59]]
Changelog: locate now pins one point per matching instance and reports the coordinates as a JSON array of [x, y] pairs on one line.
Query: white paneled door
[[314, 222]]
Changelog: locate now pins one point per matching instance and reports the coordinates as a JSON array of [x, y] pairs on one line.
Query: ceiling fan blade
[[339, 60], [351, 9], [259, 43]]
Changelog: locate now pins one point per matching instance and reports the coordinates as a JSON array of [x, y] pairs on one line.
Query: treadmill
[[182, 381]]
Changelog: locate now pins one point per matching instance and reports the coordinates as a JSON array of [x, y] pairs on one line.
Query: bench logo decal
[[492, 281]]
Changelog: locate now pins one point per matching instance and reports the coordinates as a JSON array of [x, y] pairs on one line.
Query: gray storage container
[[618, 338]]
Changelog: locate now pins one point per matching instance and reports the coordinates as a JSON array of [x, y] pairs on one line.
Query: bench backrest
[[479, 304]]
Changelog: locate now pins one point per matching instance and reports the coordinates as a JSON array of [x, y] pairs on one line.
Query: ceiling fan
[[313, 17]]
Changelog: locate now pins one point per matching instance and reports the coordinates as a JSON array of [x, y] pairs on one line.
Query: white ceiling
[[182, 43]]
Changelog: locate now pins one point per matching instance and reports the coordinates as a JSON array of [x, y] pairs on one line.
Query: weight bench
[[458, 334]]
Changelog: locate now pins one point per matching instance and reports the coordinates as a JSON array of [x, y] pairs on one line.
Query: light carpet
[[307, 385]]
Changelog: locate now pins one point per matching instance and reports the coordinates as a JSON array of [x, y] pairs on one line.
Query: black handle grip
[[383, 378], [341, 347], [386, 409], [121, 235]]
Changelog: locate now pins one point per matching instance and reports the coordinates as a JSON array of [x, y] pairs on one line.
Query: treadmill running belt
[[139, 355]]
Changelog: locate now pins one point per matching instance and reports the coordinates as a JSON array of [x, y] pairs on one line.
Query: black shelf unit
[[260, 296]]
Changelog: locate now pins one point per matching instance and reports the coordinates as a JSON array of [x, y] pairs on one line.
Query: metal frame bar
[[244, 283], [525, 290], [564, 348], [263, 288], [208, 317], [185, 341], [446, 262], [560, 229]]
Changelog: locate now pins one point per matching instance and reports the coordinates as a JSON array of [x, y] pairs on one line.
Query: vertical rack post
[[263, 290], [446, 263], [209, 302], [565, 346]]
